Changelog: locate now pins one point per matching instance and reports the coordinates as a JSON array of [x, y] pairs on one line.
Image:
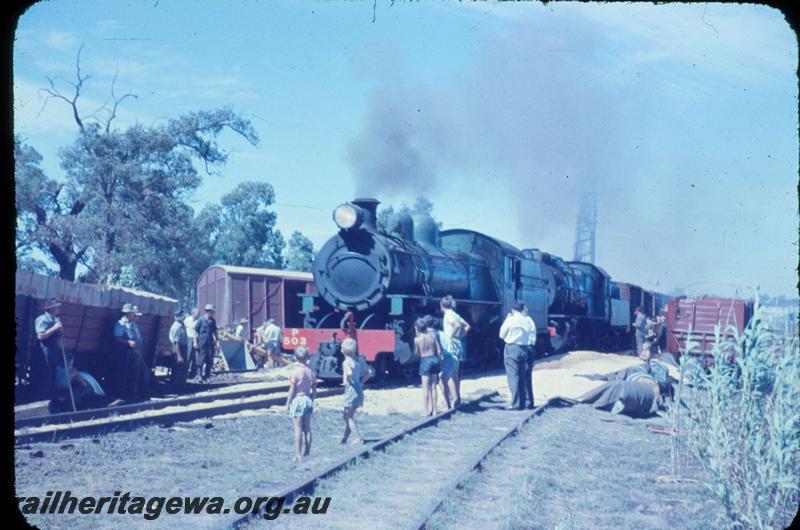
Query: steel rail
[[126, 423], [132, 408], [477, 463], [307, 485]]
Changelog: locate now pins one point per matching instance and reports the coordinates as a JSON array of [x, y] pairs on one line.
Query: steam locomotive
[[377, 281]]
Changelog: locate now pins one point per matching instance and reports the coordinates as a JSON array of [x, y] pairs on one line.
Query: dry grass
[[581, 468]]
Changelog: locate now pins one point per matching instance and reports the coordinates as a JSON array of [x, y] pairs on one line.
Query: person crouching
[[300, 402]]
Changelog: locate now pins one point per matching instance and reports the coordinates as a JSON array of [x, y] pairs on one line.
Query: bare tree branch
[[54, 92], [117, 101]]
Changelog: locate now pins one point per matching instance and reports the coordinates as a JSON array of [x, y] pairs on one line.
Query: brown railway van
[[88, 312], [254, 294]]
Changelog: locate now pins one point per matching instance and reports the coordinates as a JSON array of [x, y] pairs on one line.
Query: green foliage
[[744, 423], [120, 209], [299, 253], [241, 228]]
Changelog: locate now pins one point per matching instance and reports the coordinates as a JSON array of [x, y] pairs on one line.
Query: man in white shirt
[[519, 333], [191, 361], [271, 339]]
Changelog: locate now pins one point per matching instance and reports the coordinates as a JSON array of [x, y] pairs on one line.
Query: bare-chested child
[[427, 347], [300, 401]]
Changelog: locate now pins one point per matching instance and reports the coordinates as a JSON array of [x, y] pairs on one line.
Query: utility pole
[[585, 228]]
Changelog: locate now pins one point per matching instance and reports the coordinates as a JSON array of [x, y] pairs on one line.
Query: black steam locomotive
[[385, 279]]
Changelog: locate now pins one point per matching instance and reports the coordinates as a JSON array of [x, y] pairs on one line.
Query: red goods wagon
[[702, 315]]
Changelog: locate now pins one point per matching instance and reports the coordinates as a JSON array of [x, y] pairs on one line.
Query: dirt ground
[[248, 453], [553, 376]]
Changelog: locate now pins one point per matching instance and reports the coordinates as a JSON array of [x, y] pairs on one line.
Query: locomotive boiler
[[385, 279]]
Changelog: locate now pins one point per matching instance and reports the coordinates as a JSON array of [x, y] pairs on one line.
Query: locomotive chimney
[[370, 207]]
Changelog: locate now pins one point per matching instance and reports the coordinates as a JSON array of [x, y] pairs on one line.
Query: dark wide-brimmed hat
[[180, 314], [128, 308], [210, 307], [51, 303]]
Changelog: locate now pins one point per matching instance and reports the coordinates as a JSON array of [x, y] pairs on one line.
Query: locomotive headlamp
[[347, 216]]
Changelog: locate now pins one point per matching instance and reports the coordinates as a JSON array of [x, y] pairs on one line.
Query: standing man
[[518, 332], [531, 356], [126, 380], [207, 340], [48, 328], [271, 335], [639, 328], [191, 361], [140, 365], [180, 349]]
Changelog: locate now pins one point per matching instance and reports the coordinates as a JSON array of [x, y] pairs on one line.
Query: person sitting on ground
[[300, 402], [427, 348], [355, 372], [86, 391]]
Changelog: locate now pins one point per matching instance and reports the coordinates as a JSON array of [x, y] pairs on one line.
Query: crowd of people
[[439, 343], [441, 347]]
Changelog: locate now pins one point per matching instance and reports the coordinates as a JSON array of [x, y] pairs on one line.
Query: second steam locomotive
[[375, 282]]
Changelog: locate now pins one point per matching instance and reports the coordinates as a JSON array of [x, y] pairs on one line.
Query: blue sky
[[683, 117]]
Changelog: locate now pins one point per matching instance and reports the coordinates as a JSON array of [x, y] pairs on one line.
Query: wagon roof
[[254, 271]]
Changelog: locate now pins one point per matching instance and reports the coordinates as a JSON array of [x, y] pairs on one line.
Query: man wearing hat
[[207, 339], [180, 348], [48, 328], [130, 365]]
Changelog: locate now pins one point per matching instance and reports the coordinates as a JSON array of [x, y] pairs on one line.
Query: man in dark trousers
[[206, 328], [531, 357], [180, 350], [518, 332], [48, 328], [126, 370]]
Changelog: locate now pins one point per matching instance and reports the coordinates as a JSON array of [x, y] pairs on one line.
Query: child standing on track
[[427, 347], [300, 402], [355, 373]]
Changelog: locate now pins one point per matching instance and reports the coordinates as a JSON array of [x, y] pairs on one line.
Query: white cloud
[[61, 40]]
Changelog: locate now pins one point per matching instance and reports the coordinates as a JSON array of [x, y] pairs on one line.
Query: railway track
[[318, 483], [164, 412], [419, 469]]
